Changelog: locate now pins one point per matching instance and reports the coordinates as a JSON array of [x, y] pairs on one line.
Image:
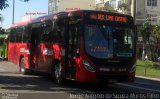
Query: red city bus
[[30, 44], [85, 46]]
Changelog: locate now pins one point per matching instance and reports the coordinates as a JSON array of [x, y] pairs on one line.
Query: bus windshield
[[103, 41]]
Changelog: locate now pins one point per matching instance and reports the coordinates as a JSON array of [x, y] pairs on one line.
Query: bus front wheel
[[22, 67], [58, 72]]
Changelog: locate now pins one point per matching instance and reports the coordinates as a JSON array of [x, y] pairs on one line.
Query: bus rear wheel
[[23, 70], [58, 73]]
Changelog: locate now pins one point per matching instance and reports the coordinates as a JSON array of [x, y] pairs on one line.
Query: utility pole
[[133, 10], [13, 12]]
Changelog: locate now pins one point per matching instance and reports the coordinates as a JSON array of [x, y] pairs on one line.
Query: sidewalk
[[149, 78]]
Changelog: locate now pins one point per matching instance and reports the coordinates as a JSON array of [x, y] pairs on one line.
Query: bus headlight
[[88, 66], [133, 69]]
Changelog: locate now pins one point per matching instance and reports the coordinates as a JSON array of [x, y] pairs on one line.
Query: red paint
[[39, 58], [57, 51]]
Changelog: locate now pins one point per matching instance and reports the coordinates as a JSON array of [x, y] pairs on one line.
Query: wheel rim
[[22, 70], [22, 66], [58, 72]]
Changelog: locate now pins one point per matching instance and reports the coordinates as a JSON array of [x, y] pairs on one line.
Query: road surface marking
[[147, 78], [144, 83], [148, 89]]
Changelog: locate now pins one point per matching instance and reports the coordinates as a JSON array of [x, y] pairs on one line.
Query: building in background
[[116, 5], [152, 10], [69, 5], [147, 10], [140, 12]]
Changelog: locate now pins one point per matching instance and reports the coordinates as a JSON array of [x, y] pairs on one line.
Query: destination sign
[[113, 18]]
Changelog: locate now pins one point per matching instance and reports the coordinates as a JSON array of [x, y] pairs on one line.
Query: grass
[[145, 63], [147, 68]]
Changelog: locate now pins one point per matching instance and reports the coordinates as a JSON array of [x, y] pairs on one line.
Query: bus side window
[[59, 32], [74, 38], [26, 34], [35, 36], [47, 32], [12, 35], [19, 34]]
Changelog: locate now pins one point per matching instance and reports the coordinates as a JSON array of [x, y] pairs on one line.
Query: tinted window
[[47, 32]]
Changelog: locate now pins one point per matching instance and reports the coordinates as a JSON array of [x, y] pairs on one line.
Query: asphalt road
[[14, 85]]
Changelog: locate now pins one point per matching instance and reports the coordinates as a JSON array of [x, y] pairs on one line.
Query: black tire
[[58, 73], [22, 67]]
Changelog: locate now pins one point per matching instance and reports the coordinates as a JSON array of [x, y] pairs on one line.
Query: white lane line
[[142, 77], [148, 89]]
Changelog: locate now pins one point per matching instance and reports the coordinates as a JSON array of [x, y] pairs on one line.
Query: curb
[[149, 78]]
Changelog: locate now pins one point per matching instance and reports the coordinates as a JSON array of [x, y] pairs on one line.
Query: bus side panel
[[82, 74], [24, 51], [12, 53], [16, 51], [45, 57]]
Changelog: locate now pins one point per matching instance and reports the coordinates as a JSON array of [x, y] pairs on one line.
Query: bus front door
[[35, 48], [73, 48]]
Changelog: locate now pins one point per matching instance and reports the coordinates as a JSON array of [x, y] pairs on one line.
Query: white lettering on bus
[[23, 50], [47, 52]]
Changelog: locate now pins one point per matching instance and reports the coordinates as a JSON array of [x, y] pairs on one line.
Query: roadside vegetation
[[148, 68]]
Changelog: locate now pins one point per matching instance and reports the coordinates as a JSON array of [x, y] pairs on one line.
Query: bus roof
[[49, 17], [96, 11], [104, 16], [22, 23]]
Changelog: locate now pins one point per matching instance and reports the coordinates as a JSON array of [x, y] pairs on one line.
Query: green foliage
[[156, 31], [4, 3], [146, 31], [147, 68], [123, 6], [149, 40], [2, 31], [107, 8], [145, 63], [149, 72]]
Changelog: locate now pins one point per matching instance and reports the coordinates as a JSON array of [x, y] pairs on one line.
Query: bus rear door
[[73, 48]]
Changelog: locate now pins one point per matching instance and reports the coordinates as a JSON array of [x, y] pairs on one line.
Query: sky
[[34, 8]]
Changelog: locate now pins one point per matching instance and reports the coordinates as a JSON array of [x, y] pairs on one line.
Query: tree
[[148, 39], [2, 31], [123, 7], [107, 8], [156, 31], [4, 3], [151, 39]]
